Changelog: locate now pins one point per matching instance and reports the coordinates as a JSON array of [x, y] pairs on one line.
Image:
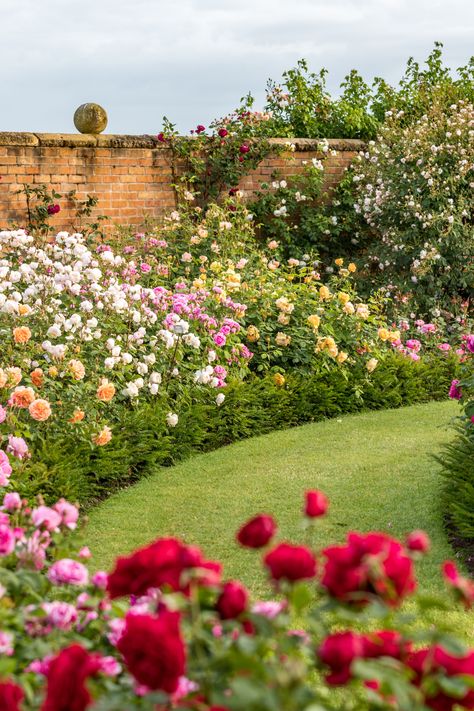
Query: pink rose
[[7, 540], [46, 517], [68, 512], [17, 446], [12, 501], [68, 572], [61, 615]]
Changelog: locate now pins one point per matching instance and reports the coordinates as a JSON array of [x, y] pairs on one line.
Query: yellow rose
[[383, 334], [253, 334], [339, 262], [53, 371], [371, 364], [281, 339], [343, 356], [352, 267], [324, 293], [314, 321], [394, 336], [279, 380], [343, 297]]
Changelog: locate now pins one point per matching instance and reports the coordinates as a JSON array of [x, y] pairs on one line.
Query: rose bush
[[163, 630]]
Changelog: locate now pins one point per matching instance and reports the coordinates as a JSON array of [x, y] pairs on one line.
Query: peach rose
[[77, 369], [40, 410], [22, 397], [21, 334], [78, 416], [105, 391], [104, 436], [37, 378]]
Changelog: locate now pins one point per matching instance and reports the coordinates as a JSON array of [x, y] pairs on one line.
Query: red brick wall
[[131, 175]]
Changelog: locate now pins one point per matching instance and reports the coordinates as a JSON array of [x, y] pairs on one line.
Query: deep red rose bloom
[[338, 651], [418, 541], [200, 128], [316, 504], [11, 696], [165, 563], [464, 587], [371, 563], [53, 209], [161, 138], [436, 661], [153, 650], [244, 148], [232, 601], [290, 562], [257, 532], [223, 132], [67, 674]]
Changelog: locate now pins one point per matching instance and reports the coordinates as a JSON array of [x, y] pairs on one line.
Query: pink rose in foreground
[[68, 512], [46, 517], [7, 540], [12, 501], [68, 572]]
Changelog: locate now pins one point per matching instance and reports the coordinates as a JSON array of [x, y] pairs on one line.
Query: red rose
[[257, 532], [67, 674], [161, 138], [464, 587], [418, 541], [232, 601], [290, 562], [161, 564], [373, 563], [53, 209], [223, 132], [153, 650], [244, 148], [429, 664], [316, 504], [11, 696], [200, 128], [338, 651]]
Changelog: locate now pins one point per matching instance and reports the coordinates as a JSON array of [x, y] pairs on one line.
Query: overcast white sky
[[193, 59]]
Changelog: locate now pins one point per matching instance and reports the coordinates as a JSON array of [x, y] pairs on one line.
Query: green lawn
[[375, 467]]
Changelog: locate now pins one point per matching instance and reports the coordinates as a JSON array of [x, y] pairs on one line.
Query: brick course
[[130, 175]]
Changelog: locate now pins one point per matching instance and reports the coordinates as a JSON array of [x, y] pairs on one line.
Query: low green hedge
[[141, 442]]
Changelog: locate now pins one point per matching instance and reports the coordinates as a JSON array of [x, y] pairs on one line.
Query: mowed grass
[[375, 467]]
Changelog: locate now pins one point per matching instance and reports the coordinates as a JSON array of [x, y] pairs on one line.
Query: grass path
[[375, 467]]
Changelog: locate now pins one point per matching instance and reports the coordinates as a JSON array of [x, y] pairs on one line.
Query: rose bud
[[257, 532], [316, 504], [232, 601], [418, 541], [244, 148]]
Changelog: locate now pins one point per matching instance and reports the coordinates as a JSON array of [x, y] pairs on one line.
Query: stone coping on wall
[[79, 140]]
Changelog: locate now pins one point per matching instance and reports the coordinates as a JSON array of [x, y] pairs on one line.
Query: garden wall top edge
[[79, 140]]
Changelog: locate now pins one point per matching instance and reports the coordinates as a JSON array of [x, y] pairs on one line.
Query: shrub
[[414, 190], [164, 630]]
